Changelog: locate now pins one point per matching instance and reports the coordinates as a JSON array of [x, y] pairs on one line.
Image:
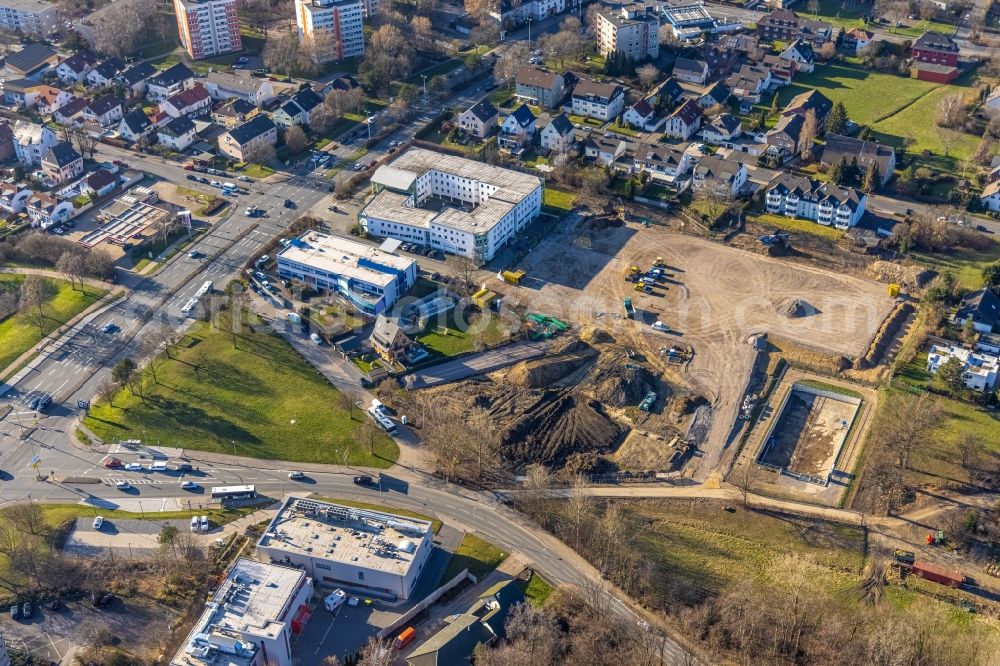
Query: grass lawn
[[477, 555], [257, 171], [501, 97], [833, 388], [451, 340], [440, 68], [868, 96], [558, 199], [798, 225], [435, 523], [537, 590], [920, 27], [260, 399], [623, 129], [584, 120], [357, 154], [965, 264], [19, 333], [841, 13]]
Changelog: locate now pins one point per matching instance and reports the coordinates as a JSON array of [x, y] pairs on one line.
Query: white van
[[335, 599], [158, 467], [194, 523]]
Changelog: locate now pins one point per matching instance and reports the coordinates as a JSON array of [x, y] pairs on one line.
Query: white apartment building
[[208, 27], [979, 368], [632, 29], [825, 203], [453, 204], [340, 20], [366, 552], [31, 17], [371, 279], [250, 618]]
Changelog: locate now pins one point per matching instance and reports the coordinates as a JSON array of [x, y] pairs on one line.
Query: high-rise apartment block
[[208, 28], [332, 27]]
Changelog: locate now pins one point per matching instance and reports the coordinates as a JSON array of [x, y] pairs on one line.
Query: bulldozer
[[631, 273]]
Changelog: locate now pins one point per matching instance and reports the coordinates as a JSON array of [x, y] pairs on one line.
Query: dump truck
[[512, 277], [937, 573], [629, 309]]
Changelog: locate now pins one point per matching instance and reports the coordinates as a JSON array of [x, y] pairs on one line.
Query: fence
[[431, 598]]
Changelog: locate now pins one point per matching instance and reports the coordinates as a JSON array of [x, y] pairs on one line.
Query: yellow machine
[[512, 277], [893, 290], [659, 262], [483, 298]]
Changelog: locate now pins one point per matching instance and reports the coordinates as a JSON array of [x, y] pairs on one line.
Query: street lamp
[[529, 31], [425, 85], [369, 122]]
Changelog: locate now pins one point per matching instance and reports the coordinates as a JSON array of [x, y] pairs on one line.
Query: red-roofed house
[[684, 121], [642, 115], [50, 99], [193, 103], [935, 57]]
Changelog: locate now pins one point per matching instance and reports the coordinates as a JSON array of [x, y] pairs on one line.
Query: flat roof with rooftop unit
[[370, 552], [248, 620]]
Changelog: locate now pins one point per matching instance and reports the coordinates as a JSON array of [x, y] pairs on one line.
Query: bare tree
[[34, 295], [744, 480], [119, 29], [648, 75], [807, 136], [26, 517], [260, 153], [377, 652], [320, 48], [281, 54], [70, 264], [321, 119], [465, 270], [972, 450], [952, 111], [296, 139], [367, 435], [107, 390]]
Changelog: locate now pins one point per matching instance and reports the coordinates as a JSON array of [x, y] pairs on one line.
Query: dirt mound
[[544, 372], [596, 335], [623, 385], [912, 277], [601, 222], [794, 308]]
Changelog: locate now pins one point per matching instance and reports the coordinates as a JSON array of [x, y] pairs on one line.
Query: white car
[[659, 326], [335, 599], [315, 338], [296, 475], [215, 183], [133, 467], [98, 522], [242, 177], [189, 485], [204, 524], [123, 485]]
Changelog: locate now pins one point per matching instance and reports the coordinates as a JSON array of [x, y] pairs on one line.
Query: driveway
[[476, 364]]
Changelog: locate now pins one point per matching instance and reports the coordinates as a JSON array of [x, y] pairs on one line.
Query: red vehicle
[[189, 167], [112, 463], [405, 638]]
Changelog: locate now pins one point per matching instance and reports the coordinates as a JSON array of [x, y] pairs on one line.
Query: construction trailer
[[484, 299], [937, 573], [512, 277]]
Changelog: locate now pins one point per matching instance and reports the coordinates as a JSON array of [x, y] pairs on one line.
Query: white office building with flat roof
[[31, 17], [367, 552], [250, 618], [369, 278], [453, 204]]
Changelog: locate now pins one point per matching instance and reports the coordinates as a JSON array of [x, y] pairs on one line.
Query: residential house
[[32, 141], [669, 93], [517, 130], [177, 134], [21, 93], [746, 45], [46, 211], [233, 112], [6, 142], [30, 62], [726, 177], [684, 121], [714, 95], [599, 100], [540, 87], [691, 71], [483, 624], [801, 53], [603, 149], [979, 368], [664, 163], [935, 57], [721, 62], [749, 83], [106, 110], [169, 82], [722, 130], [786, 26], [855, 41], [100, 183], [480, 119], [61, 163], [13, 197], [344, 82], [785, 137], [240, 141], [990, 198], [74, 68], [811, 100], [222, 85], [389, 340], [71, 113], [839, 147], [105, 73], [643, 116], [135, 125], [825, 203], [559, 135], [983, 307], [782, 70], [135, 79], [192, 103], [49, 99], [296, 110]]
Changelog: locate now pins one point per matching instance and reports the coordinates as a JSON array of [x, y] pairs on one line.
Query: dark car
[[15, 612], [193, 177], [44, 403], [364, 480], [27, 610], [980, 227], [290, 204], [33, 405], [55, 604]]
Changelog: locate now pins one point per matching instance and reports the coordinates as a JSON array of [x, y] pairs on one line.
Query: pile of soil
[[686, 405], [546, 371], [911, 277], [623, 385], [601, 222], [596, 335], [794, 308]]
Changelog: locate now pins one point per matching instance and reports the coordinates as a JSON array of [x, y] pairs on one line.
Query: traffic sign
[[83, 404], [36, 460]]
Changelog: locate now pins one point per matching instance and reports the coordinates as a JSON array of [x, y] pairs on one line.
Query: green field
[[19, 333], [966, 265], [558, 199], [537, 590], [454, 339], [477, 555], [260, 399], [840, 13], [798, 225]]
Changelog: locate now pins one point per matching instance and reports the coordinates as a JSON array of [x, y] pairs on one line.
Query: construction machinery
[[893, 290], [647, 402], [512, 277], [659, 263], [629, 309], [483, 298], [631, 273]]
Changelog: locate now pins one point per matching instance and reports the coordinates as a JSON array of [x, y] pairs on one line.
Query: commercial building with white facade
[[208, 27], [825, 203], [250, 618], [452, 204], [334, 25], [368, 552], [979, 368], [372, 280], [31, 17]]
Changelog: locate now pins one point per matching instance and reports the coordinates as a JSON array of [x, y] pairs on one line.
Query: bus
[[205, 289], [228, 493]]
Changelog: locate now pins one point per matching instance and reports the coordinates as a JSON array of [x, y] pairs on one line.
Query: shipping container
[[938, 574]]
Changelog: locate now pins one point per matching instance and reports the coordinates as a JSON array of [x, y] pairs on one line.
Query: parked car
[[184, 467], [27, 610], [33, 405], [98, 522], [133, 467], [204, 524], [659, 326], [113, 463], [15, 612], [315, 338], [193, 177]]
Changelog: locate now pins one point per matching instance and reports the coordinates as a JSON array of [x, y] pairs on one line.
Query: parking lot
[[135, 538]]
